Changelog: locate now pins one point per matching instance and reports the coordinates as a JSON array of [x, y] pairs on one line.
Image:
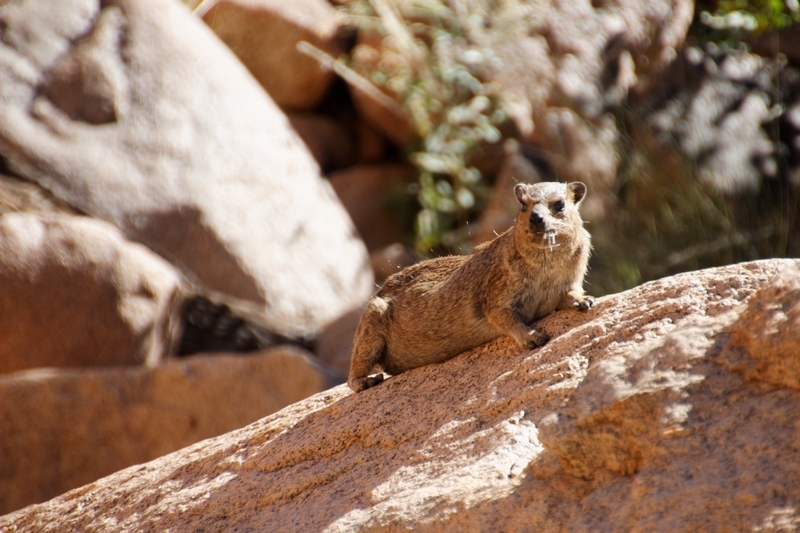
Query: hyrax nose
[[536, 220]]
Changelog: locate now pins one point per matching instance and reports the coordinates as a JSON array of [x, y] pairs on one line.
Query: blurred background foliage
[[665, 215], [725, 18], [673, 220], [430, 66]]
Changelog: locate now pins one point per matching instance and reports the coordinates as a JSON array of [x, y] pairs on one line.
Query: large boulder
[[264, 35], [338, 140], [134, 112], [669, 407], [331, 142], [76, 293], [334, 346], [503, 207], [22, 196], [64, 428], [367, 192]]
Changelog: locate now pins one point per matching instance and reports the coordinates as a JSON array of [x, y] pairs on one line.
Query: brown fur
[[437, 309]]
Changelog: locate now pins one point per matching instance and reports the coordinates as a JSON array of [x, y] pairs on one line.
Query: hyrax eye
[[524, 208], [558, 206]]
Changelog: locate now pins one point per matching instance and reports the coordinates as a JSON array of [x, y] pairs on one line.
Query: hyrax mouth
[[549, 237]]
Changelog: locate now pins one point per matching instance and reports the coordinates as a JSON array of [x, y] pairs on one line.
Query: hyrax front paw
[[362, 384], [535, 339], [584, 303]]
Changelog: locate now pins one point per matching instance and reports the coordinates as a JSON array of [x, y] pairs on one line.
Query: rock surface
[[334, 345], [134, 112], [331, 143], [22, 196], [583, 55], [264, 35], [503, 207], [366, 192], [65, 428], [338, 141], [76, 293], [650, 413]]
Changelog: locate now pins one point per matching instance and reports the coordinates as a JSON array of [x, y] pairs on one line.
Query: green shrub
[[433, 74]]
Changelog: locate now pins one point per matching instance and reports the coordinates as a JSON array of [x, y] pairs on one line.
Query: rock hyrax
[[437, 309]]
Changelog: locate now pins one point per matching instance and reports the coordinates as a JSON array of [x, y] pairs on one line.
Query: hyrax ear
[[519, 192], [578, 191]]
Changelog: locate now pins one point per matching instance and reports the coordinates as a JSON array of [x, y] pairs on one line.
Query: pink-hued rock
[[769, 334], [134, 112], [332, 143], [563, 52], [390, 121], [339, 142], [264, 35], [366, 192], [503, 206], [334, 345], [65, 428], [75, 293], [390, 260], [22, 196], [632, 418]]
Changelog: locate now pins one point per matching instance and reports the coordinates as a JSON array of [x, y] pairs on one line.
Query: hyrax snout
[[439, 308]]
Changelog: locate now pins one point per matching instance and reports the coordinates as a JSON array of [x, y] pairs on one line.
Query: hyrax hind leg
[[369, 346]]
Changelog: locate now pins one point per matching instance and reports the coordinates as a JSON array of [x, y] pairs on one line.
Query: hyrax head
[[549, 211]]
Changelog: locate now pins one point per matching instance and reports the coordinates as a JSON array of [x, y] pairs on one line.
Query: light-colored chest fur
[[542, 286]]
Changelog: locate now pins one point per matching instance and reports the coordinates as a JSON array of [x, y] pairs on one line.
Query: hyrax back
[[437, 309]]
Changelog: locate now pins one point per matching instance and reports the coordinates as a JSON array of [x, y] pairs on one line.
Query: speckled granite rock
[[264, 35], [65, 428], [75, 293], [134, 112], [650, 413]]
